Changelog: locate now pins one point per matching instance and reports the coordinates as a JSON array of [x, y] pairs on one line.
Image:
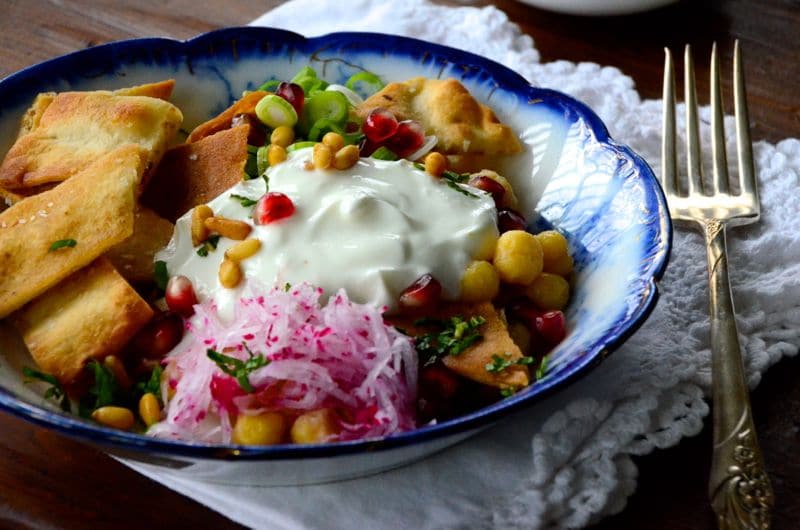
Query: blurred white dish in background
[[598, 7]]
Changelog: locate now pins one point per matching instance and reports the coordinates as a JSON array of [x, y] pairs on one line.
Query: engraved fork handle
[[740, 491]]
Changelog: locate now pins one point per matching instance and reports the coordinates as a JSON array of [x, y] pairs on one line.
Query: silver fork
[[739, 488]]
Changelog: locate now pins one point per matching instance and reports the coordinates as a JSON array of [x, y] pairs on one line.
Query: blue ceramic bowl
[[571, 176]]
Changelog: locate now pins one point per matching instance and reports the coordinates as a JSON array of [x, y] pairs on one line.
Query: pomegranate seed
[[408, 138], [424, 292], [272, 207], [508, 219], [552, 327], [180, 295], [224, 389], [157, 338], [292, 93], [380, 125], [488, 185], [438, 382]]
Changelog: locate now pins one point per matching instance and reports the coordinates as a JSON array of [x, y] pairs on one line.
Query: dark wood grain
[[49, 481]]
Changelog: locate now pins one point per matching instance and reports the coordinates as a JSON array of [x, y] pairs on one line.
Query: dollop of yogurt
[[372, 229]]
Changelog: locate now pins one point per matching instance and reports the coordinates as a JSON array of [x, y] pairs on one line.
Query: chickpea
[[314, 427], [554, 247], [562, 266], [267, 428], [548, 291], [518, 257], [486, 249], [480, 282]]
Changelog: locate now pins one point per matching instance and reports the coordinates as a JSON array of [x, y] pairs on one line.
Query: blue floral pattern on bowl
[[571, 176]]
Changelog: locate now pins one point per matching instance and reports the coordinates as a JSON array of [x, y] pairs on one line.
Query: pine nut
[[243, 249], [116, 417], [346, 157], [333, 140], [276, 154], [322, 156], [113, 363], [199, 230], [230, 228], [149, 410], [230, 274]]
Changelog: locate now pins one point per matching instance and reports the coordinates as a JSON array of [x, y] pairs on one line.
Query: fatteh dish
[[308, 266]]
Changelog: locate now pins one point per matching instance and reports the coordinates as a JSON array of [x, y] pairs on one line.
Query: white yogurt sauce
[[373, 229]]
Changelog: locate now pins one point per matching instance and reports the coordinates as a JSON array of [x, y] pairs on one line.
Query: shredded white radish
[[430, 143], [340, 355]]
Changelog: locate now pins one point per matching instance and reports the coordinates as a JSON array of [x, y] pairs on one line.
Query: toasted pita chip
[[159, 90], [32, 117], [246, 105], [94, 208], [133, 258], [195, 173], [446, 109], [76, 128], [471, 363], [91, 314]]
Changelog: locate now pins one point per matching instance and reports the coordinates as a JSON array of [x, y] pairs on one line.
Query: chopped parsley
[[453, 179], [208, 245], [508, 391], [62, 243], [55, 392], [501, 362], [237, 368], [160, 274], [453, 336], [244, 201], [103, 391], [153, 384]]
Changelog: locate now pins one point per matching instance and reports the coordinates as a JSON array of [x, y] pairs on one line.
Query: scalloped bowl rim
[[76, 427]]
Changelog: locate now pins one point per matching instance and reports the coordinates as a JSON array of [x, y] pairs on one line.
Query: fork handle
[[739, 488]]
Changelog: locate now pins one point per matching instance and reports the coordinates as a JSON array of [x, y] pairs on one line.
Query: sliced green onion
[[269, 86], [383, 153], [274, 111], [305, 71], [351, 96], [299, 145], [321, 127], [332, 106], [262, 160], [308, 81], [364, 83], [354, 138]]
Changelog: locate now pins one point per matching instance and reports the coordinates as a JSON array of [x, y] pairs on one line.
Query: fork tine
[[720, 181], [747, 179], [693, 161], [669, 154]]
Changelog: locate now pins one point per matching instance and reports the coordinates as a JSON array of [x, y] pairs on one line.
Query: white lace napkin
[[565, 462]]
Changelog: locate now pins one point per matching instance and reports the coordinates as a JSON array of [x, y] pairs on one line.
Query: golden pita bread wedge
[[76, 128], [31, 118], [133, 258], [195, 173], [246, 105], [159, 90], [471, 363], [466, 129], [94, 208], [91, 314]]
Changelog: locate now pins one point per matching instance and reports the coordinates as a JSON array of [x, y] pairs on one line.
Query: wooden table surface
[[49, 481]]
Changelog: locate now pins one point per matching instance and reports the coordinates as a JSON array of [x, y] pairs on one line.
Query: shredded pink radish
[[340, 355]]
